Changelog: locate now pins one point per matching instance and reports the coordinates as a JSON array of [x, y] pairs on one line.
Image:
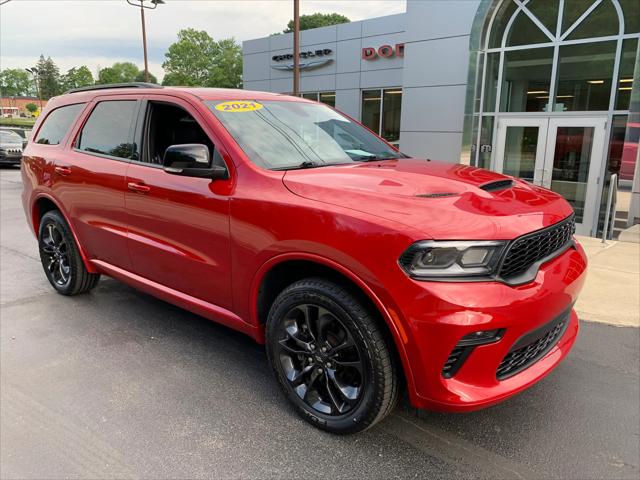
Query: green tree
[[32, 107], [317, 20], [48, 78], [15, 82], [77, 77], [140, 77], [119, 72], [196, 60]]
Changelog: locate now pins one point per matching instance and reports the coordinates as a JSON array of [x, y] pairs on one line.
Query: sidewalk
[[612, 291]]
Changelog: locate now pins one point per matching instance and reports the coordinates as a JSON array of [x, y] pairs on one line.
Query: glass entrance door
[[563, 154]]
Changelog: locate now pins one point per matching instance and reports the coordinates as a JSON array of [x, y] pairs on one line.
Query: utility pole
[[296, 47], [153, 5], [144, 44]]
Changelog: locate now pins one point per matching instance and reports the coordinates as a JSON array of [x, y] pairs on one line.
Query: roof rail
[[108, 86]]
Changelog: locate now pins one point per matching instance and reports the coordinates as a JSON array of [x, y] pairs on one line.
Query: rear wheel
[[61, 258], [330, 357]]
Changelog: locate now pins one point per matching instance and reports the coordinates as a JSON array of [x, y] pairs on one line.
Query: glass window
[[392, 101], [371, 104], [520, 149], [57, 124], [523, 31], [7, 136], [571, 163], [584, 76], [491, 84], [573, 10], [603, 21], [546, 11], [506, 10], [631, 12], [328, 98], [486, 137], [109, 129], [625, 75], [283, 135], [526, 80], [310, 96]]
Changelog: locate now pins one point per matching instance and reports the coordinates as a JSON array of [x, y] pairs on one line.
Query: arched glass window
[[554, 56]]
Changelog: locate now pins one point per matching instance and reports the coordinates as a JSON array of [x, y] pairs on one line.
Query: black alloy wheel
[[60, 257], [320, 359], [56, 255], [330, 356]]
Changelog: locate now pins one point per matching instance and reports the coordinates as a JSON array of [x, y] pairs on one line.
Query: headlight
[[438, 260]]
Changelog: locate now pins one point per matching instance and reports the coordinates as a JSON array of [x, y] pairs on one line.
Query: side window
[[57, 124], [171, 125], [109, 129]]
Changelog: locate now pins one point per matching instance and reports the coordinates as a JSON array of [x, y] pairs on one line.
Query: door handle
[[138, 187], [64, 171]]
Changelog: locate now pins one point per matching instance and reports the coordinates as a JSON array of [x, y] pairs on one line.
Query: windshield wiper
[[300, 166]]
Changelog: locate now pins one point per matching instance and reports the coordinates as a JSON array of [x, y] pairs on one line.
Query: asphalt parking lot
[[117, 384]]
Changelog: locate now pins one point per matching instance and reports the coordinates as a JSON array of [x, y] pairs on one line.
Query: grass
[[17, 122]]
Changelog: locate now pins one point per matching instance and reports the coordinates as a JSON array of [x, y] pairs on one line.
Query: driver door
[[178, 225]]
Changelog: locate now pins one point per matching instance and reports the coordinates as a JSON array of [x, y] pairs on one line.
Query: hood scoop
[[497, 185], [436, 195]]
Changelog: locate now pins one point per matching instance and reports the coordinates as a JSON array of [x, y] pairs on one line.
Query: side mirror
[[192, 160]]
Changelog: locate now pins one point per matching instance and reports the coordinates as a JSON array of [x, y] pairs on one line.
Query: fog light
[[481, 338]]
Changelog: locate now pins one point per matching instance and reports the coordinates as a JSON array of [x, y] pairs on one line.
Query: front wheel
[[330, 357], [61, 258]]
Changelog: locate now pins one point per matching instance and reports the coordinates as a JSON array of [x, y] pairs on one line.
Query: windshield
[[282, 135], [7, 136]]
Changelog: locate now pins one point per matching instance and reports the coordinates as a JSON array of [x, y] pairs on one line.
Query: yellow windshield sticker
[[239, 106]]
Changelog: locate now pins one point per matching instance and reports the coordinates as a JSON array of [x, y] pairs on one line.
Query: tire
[[61, 258], [353, 383]]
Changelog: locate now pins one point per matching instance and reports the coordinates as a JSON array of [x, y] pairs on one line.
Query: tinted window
[[109, 130], [57, 124]]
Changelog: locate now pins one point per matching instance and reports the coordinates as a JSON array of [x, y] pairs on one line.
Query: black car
[[11, 145]]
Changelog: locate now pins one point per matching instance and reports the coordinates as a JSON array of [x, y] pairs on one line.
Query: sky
[[98, 33]]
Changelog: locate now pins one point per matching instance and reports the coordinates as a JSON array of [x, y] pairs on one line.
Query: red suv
[[363, 271]]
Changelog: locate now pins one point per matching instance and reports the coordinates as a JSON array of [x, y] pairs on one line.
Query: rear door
[[178, 226], [90, 178]]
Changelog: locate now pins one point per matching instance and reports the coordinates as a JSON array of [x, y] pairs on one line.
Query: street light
[[36, 77], [141, 4]]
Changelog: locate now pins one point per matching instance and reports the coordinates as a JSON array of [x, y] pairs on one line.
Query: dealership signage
[[308, 59], [384, 51]]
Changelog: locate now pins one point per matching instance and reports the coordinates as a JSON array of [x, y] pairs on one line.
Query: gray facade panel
[[433, 109], [318, 35], [348, 55], [439, 18], [255, 46], [442, 62], [281, 42], [433, 145], [383, 25], [255, 67], [281, 85], [318, 83], [345, 81], [381, 78], [259, 85], [348, 101], [347, 31]]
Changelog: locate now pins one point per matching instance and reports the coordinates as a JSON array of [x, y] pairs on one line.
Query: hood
[[443, 201]]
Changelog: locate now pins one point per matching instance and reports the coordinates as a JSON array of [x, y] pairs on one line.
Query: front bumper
[[445, 312]]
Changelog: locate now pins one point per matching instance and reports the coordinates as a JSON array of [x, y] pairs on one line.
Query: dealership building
[[545, 90]]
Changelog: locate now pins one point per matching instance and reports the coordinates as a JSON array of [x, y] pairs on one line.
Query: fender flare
[[391, 319], [36, 226]]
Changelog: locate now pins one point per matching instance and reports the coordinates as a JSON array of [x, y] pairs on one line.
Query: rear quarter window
[[57, 124], [109, 129]]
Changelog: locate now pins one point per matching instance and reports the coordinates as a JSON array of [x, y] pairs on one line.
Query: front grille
[[529, 249], [532, 347]]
